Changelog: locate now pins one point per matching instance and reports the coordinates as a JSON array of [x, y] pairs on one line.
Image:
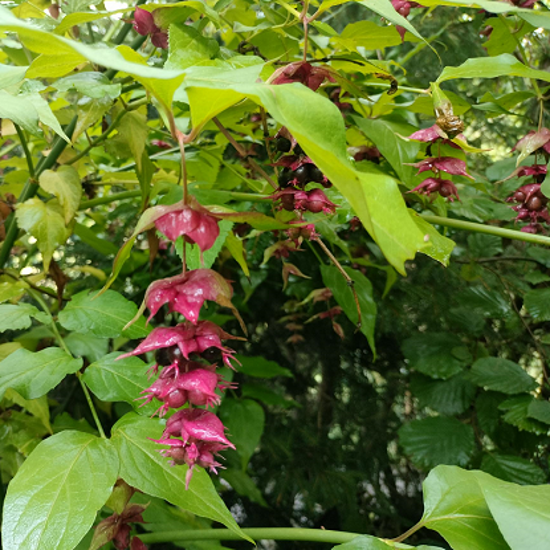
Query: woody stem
[[242, 153]]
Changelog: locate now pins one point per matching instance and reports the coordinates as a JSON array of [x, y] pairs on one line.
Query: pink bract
[[186, 293], [450, 165], [196, 227], [302, 71]]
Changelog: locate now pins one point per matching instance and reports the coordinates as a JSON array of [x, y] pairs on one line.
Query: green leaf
[[10, 75], [438, 440], [368, 542], [143, 467], [432, 354], [343, 294], [366, 34], [85, 345], [260, 367], [189, 47], [438, 247], [53, 500], [497, 374], [455, 507], [521, 512], [385, 135], [517, 414], [35, 374], [122, 380], [539, 410], [492, 67], [512, 468], [45, 222], [236, 249], [537, 302], [91, 84], [20, 110], [102, 315], [65, 185], [18, 316], [451, 396], [245, 421]]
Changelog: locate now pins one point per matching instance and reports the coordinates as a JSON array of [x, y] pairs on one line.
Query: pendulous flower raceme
[[188, 355]]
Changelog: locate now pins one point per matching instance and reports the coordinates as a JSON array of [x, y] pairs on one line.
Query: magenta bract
[[533, 141], [144, 24], [450, 165], [196, 227], [446, 188], [187, 293], [304, 72]]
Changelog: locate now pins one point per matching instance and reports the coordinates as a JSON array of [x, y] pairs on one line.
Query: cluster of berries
[[531, 204], [450, 165], [189, 353]]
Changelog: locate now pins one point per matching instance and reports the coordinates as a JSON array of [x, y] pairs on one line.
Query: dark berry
[[314, 206], [212, 354], [326, 183], [167, 356], [519, 196], [534, 203], [315, 174], [301, 174], [285, 177], [288, 202], [283, 145], [298, 150]]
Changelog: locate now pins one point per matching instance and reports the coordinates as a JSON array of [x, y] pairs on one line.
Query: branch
[[487, 229], [242, 153], [267, 533]]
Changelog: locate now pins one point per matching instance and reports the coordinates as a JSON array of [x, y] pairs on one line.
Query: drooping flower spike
[[145, 24]]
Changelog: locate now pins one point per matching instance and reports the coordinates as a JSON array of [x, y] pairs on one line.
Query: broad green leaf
[[502, 375], [438, 246], [20, 110], [92, 84], [53, 500], [143, 467], [492, 67], [37, 407], [45, 222], [438, 440], [236, 249], [86, 345], [368, 35], [432, 354], [8, 349], [102, 315], [260, 367], [368, 542], [517, 414], [521, 512], [539, 410], [189, 47], [455, 507], [11, 289], [537, 302], [122, 380], [18, 316], [88, 236], [10, 75], [343, 294], [451, 396], [133, 131], [35, 374], [512, 468], [89, 112], [65, 185], [397, 151], [53, 66], [245, 421]]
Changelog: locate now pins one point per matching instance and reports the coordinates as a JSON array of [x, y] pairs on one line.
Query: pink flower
[[445, 188], [160, 143], [186, 293], [450, 165], [534, 170], [301, 71], [432, 134], [194, 436], [197, 227], [203, 338], [144, 24], [189, 383], [403, 7], [312, 201]]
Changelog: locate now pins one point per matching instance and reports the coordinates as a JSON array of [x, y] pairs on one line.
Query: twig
[[243, 154], [350, 282]]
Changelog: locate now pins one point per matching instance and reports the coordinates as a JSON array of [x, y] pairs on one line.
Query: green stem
[[109, 198], [487, 229], [65, 348], [91, 405], [126, 28], [267, 533], [112, 126], [25, 146]]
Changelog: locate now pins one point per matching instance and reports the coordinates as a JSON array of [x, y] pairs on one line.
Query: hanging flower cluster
[[145, 23], [438, 164], [187, 356], [531, 205]]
